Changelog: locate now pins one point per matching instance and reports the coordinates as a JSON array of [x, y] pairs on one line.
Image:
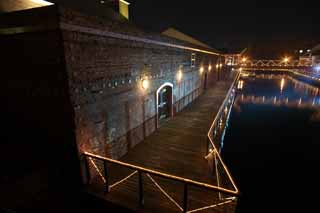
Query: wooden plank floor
[[178, 148]]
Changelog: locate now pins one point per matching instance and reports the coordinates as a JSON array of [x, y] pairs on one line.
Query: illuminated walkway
[[178, 148]]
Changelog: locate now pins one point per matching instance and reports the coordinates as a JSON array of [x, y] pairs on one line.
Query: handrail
[[224, 102], [164, 175], [185, 181], [214, 123]]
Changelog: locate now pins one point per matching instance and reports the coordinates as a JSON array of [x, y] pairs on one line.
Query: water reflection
[[265, 89], [271, 144], [281, 85]]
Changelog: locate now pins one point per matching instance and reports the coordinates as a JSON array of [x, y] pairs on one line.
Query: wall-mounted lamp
[[179, 75], [217, 66], [145, 84], [209, 68], [201, 70], [220, 65]]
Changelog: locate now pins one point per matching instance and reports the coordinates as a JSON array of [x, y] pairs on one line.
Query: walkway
[[178, 148]]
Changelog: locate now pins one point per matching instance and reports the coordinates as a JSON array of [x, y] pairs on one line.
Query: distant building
[[316, 55], [233, 58], [305, 59]]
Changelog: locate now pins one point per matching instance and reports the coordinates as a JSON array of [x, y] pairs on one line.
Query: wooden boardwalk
[[177, 148]]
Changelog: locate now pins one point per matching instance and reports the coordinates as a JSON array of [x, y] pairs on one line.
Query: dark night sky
[[269, 28]]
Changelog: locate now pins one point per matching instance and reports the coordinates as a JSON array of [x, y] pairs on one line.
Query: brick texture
[[112, 112]]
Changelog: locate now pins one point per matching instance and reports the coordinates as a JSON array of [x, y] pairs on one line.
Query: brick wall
[[112, 112], [66, 91], [38, 148]]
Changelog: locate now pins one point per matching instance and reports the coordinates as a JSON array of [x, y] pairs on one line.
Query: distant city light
[[286, 59], [244, 59]]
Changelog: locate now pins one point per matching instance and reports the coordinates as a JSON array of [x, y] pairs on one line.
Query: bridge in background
[[287, 64]]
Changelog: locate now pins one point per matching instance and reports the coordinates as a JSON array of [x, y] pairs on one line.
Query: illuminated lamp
[[179, 75], [201, 70], [145, 84]]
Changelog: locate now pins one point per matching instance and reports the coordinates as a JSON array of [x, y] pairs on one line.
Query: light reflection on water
[[277, 90], [272, 144]]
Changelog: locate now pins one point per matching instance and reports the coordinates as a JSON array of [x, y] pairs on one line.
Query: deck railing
[[141, 170], [217, 131], [186, 182]]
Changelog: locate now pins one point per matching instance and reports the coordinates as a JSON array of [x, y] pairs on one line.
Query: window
[[193, 60]]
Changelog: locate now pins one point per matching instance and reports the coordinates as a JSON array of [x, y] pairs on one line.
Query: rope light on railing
[[164, 175], [164, 192], [230, 91], [124, 179], [97, 169], [104, 180], [211, 206]]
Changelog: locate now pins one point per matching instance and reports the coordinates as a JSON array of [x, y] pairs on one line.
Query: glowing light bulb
[[145, 84], [201, 70], [179, 75]]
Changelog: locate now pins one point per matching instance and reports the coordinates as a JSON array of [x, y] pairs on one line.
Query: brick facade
[[74, 77], [112, 112]]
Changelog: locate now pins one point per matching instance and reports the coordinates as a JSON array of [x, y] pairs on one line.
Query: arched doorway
[[164, 101]]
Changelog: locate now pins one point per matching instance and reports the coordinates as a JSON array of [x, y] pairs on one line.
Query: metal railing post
[[185, 198], [87, 169], [141, 197], [208, 142], [106, 177]]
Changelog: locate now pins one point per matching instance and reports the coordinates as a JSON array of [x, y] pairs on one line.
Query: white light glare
[[42, 2]]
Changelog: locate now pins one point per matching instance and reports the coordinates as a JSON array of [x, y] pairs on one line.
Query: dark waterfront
[[272, 145]]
